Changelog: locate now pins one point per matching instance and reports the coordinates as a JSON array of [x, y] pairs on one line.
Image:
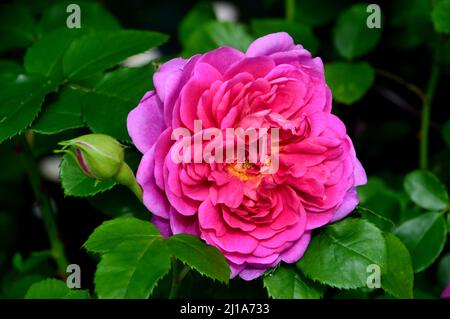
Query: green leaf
[[132, 269], [441, 16], [398, 276], [375, 218], [76, 183], [446, 132], [443, 271], [119, 91], [340, 254], [16, 26], [9, 66], [206, 259], [349, 82], [61, 114], [113, 232], [287, 283], [216, 34], [93, 17], [425, 237], [426, 190], [301, 34], [318, 12], [45, 56], [21, 102], [98, 51], [18, 287], [54, 289], [200, 14], [351, 35]]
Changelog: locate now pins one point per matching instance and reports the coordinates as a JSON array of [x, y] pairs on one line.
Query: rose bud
[[101, 157]]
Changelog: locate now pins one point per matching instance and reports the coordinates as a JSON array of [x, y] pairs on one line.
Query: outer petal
[[269, 44], [145, 123]]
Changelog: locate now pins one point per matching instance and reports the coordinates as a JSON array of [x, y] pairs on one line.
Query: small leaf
[[441, 16], [426, 190], [352, 37], [76, 183], [300, 33], [425, 237], [287, 283], [54, 289], [35, 259], [45, 56], [216, 34], [340, 254], [204, 258], [61, 114], [113, 232], [101, 50], [120, 91], [397, 277], [349, 82], [132, 269], [21, 102]]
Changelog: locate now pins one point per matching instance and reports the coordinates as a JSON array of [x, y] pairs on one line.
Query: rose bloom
[[256, 220]]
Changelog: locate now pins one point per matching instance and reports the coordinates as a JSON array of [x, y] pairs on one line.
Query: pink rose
[[256, 220]]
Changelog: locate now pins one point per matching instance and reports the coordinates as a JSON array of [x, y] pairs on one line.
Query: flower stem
[[426, 110], [177, 277], [290, 10], [44, 204]]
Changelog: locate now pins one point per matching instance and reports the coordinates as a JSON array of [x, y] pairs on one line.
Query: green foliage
[[339, 255], [16, 26], [21, 102], [426, 190], [398, 277], [54, 289], [120, 91], [61, 113], [135, 257], [349, 82], [441, 16], [351, 35], [193, 252], [425, 237], [287, 283], [105, 50]]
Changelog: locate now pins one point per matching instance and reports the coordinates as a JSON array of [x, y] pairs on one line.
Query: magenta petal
[[297, 250], [251, 273], [348, 205], [167, 77], [154, 198], [163, 226], [446, 292], [269, 44], [145, 123]]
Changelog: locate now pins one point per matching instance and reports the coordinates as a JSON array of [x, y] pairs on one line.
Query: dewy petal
[[145, 123], [270, 44]]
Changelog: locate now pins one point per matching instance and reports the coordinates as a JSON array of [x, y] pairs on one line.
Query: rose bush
[[256, 220]]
